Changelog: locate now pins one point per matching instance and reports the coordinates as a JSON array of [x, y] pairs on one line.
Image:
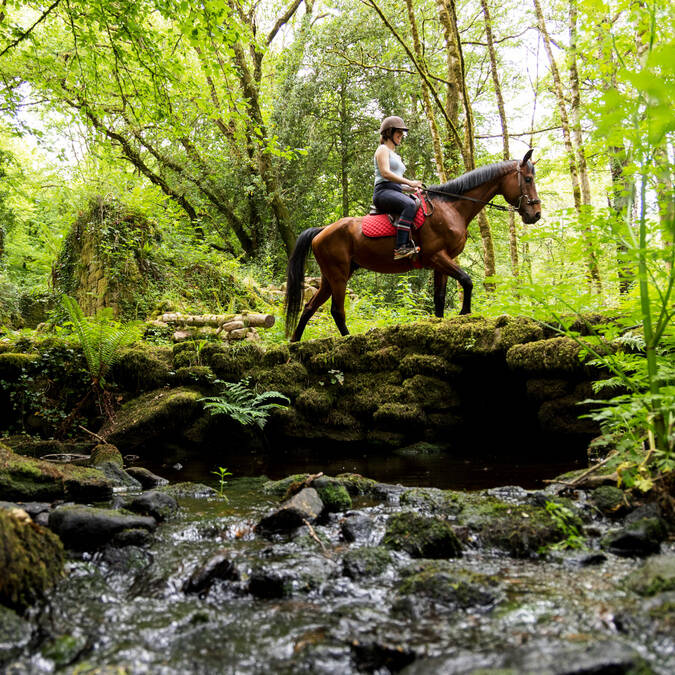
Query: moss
[[365, 561], [399, 416], [31, 560], [609, 499], [12, 364], [546, 389], [656, 576], [346, 356], [200, 375], [384, 358], [334, 496], [288, 378], [27, 479], [433, 499], [421, 536], [356, 484], [314, 401], [562, 416], [275, 355], [279, 488], [160, 413], [438, 581], [430, 392], [428, 364], [142, 367], [105, 452], [556, 355]]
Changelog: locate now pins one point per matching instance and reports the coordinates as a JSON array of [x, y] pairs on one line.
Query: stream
[[305, 603]]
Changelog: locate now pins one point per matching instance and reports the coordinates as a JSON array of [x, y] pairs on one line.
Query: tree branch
[[282, 20], [24, 35]]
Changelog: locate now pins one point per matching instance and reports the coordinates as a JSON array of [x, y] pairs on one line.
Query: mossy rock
[[428, 364], [157, 414], [27, 479], [421, 536], [347, 356], [105, 452], [543, 389], [31, 559], [233, 362], [195, 375], [13, 364], [384, 358], [562, 416], [445, 502], [656, 576], [365, 561], [522, 531], [357, 485], [275, 355], [279, 488], [142, 367], [430, 392], [441, 582], [559, 355], [333, 494], [288, 378], [609, 499], [399, 416], [314, 401]]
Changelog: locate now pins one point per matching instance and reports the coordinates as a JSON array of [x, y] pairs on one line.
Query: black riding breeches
[[389, 197]]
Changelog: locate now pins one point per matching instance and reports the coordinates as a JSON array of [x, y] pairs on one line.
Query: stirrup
[[405, 252]]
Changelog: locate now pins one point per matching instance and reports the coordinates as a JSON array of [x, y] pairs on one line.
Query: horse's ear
[[528, 154]]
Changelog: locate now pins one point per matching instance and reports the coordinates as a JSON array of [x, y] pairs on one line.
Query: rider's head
[[389, 126]]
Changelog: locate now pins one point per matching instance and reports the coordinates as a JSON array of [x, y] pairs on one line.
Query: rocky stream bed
[[317, 574]]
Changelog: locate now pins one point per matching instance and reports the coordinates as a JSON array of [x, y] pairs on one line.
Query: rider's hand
[[415, 184]]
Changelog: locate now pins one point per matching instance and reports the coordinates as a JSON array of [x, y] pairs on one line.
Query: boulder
[[105, 452], [657, 575], [146, 478], [218, 566], [155, 504], [31, 559], [639, 538], [85, 528], [366, 561], [356, 527], [27, 479], [305, 506], [421, 536], [15, 634]]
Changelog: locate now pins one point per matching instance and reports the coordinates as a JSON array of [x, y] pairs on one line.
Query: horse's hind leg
[[337, 307], [314, 303], [440, 287]]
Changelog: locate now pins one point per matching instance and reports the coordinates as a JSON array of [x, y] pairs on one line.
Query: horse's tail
[[296, 276]]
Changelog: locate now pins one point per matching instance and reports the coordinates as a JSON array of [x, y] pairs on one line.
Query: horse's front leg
[[440, 287], [444, 264]]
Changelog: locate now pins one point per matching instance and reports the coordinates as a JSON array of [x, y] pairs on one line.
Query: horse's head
[[520, 191]]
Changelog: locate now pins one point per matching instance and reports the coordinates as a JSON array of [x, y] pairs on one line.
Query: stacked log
[[224, 326]]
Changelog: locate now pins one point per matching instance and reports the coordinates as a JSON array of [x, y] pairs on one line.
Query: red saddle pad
[[380, 225]]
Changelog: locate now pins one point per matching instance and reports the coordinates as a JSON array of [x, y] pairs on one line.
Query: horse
[[341, 247]]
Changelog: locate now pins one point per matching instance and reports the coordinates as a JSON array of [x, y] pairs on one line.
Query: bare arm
[[382, 159]]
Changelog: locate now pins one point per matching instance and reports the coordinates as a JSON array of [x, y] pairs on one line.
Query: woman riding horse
[[341, 248], [388, 195]]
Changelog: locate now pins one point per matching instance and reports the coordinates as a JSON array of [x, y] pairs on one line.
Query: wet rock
[[366, 561], [432, 500], [421, 536], [158, 505], [31, 559], [657, 575], [218, 566], [584, 559], [85, 528], [128, 559], [609, 499], [356, 527], [15, 633], [146, 478], [64, 649], [603, 656], [268, 585], [638, 538], [118, 477], [304, 506], [188, 491], [378, 656], [441, 583], [136, 536]]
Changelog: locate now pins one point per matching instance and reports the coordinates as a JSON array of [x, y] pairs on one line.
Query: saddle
[[379, 224]]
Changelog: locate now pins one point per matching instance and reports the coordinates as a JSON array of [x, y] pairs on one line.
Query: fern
[[242, 404], [101, 337]]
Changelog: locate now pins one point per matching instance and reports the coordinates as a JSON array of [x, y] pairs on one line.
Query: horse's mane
[[472, 179]]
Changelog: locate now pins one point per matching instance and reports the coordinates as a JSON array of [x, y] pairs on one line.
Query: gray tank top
[[396, 166]]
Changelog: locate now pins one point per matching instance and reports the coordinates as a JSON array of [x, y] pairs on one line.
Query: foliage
[[568, 523], [101, 338], [222, 473], [241, 403]]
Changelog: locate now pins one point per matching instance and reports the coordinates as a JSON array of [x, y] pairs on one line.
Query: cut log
[[217, 320]]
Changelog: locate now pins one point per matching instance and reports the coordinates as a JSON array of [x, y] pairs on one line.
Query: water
[[126, 608]]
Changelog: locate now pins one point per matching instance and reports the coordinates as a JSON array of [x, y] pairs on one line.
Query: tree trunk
[[426, 98], [593, 273], [513, 239], [344, 153]]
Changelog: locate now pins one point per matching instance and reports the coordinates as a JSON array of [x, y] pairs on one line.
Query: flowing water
[[125, 610]]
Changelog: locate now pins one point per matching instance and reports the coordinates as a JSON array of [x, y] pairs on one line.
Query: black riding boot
[[404, 247]]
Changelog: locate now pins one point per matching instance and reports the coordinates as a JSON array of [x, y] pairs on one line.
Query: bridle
[[499, 207]]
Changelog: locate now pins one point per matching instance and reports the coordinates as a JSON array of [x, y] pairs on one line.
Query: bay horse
[[341, 248]]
